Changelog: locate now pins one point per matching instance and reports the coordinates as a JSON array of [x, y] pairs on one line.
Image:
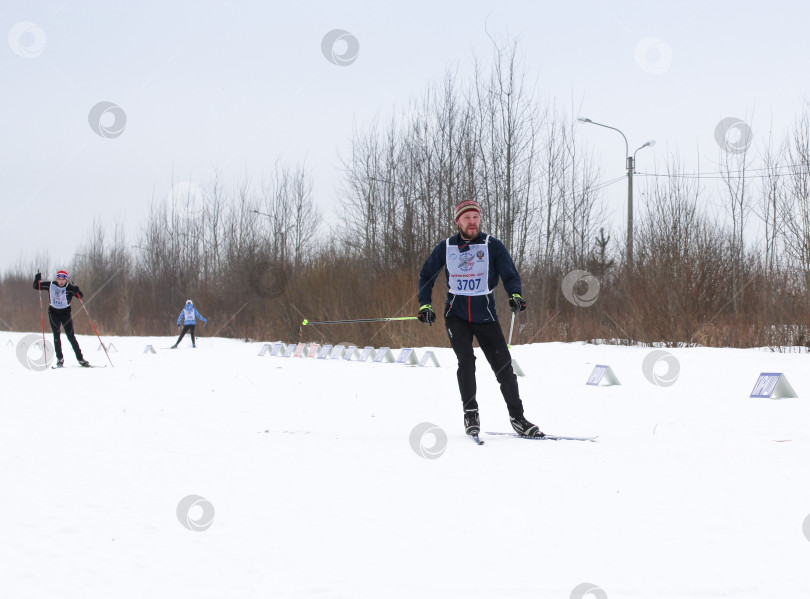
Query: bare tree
[[795, 209], [508, 153], [734, 166]]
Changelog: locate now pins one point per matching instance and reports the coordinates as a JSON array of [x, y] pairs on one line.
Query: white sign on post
[[602, 372], [408, 357], [773, 385], [429, 356]]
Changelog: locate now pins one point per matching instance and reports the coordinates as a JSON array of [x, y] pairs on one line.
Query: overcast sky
[[194, 86]]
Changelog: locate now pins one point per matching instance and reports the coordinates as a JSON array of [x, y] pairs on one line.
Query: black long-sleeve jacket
[[72, 291], [479, 308]]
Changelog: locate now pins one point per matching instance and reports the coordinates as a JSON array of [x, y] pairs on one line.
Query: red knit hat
[[62, 273], [466, 206]]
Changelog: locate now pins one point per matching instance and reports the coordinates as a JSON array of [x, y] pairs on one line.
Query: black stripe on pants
[[493, 344]]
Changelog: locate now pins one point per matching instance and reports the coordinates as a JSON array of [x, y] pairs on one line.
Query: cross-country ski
[[544, 437]]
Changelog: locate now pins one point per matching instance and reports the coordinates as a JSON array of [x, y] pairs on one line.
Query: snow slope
[[307, 484]]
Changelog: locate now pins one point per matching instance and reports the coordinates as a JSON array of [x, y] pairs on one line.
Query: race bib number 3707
[[468, 271]]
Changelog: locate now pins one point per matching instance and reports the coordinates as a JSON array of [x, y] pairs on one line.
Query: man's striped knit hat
[[466, 206]]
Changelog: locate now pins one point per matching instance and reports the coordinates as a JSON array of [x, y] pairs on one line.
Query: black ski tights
[[62, 318], [190, 329], [492, 343]]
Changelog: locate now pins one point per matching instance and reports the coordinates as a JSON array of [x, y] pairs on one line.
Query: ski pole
[[94, 329], [511, 328], [388, 319], [42, 319]]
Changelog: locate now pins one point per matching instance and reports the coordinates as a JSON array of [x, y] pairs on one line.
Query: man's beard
[[472, 235]]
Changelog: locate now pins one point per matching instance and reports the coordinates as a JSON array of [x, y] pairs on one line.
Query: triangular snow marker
[[772, 385], [351, 353], [429, 356], [384, 355], [408, 357], [365, 354], [602, 372], [149, 350]]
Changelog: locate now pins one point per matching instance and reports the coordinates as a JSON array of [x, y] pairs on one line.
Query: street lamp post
[[631, 165]]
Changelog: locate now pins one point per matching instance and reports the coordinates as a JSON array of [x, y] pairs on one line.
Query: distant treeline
[[257, 259]]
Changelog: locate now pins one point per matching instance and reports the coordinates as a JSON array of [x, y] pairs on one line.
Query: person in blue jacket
[[473, 261], [188, 317]]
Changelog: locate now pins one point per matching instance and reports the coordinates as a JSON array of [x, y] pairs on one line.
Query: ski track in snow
[[305, 472]]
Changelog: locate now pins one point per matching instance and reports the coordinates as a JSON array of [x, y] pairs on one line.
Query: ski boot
[[524, 428], [472, 424]]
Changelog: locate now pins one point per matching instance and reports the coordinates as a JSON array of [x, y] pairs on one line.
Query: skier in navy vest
[[61, 293], [473, 262], [188, 316]]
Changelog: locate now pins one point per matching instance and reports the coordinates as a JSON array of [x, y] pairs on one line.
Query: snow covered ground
[[213, 472]]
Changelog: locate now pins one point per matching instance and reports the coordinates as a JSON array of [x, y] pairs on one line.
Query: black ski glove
[[78, 292], [37, 277], [427, 315], [517, 303]]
